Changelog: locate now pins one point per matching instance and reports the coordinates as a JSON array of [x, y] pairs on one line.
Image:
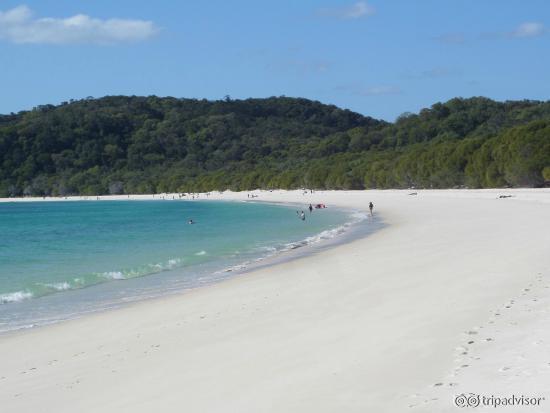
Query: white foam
[[146, 270], [356, 216], [270, 251], [267, 249], [203, 252], [233, 268], [14, 297], [62, 286], [170, 264], [114, 275], [173, 262]]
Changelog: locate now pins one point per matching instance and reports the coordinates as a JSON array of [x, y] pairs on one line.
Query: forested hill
[[121, 144]]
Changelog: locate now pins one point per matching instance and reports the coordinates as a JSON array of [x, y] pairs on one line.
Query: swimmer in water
[[190, 222]]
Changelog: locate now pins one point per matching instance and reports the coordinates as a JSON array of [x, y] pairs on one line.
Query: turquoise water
[[61, 259]]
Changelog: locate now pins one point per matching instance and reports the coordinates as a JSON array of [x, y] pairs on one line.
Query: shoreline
[[354, 228], [228, 195], [369, 325]]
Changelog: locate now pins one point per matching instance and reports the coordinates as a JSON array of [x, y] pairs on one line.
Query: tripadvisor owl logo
[[475, 400]]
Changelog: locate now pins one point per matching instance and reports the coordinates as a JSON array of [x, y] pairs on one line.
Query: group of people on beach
[[302, 214]]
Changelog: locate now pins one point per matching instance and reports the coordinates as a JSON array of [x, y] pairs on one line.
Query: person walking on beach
[[371, 207]]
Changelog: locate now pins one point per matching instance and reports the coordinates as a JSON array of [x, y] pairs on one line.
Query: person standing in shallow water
[[371, 207], [310, 208]]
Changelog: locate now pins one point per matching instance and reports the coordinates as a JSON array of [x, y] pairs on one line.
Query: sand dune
[[450, 297]]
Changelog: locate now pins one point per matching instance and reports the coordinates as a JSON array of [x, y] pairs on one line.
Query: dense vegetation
[[148, 144]]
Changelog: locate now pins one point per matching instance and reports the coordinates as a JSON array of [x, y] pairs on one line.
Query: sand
[[451, 297]]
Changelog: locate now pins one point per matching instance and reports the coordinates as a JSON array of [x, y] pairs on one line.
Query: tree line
[[130, 144]]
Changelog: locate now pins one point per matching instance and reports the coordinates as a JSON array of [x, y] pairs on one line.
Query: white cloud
[[354, 11], [19, 25], [529, 29]]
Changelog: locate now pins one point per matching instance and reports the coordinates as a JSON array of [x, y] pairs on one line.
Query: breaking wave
[[15, 297]]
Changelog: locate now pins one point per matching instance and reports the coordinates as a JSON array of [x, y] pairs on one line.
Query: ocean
[[59, 260]]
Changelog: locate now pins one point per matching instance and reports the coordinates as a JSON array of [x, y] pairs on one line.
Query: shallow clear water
[[62, 259]]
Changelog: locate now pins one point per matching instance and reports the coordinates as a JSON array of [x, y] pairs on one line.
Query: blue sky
[[379, 57]]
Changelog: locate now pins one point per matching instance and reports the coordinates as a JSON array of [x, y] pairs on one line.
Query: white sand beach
[[451, 297]]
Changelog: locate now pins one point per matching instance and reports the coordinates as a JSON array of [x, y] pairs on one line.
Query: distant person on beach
[[371, 207], [310, 208], [303, 216]]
